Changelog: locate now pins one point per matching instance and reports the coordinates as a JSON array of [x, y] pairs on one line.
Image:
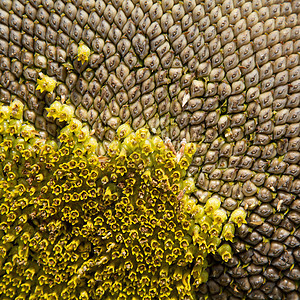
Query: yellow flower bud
[[54, 110], [73, 245], [189, 184], [158, 143], [179, 235], [22, 296], [79, 150], [5, 112], [238, 216], [204, 276], [28, 132], [142, 134], [83, 134], [14, 127], [66, 113], [46, 83], [205, 223], [196, 272], [228, 232], [75, 125], [184, 163], [225, 252], [211, 205], [114, 148], [212, 244], [83, 53], [131, 142], [186, 280], [147, 147], [90, 145], [84, 295], [25, 287], [198, 213], [215, 230], [219, 216], [189, 255], [190, 149], [175, 176], [123, 131], [65, 136]]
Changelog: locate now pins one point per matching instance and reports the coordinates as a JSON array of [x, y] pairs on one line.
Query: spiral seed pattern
[[223, 74]]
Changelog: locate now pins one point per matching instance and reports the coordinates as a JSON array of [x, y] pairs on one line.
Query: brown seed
[[138, 122], [141, 45], [103, 28], [148, 85], [259, 166], [161, 78], [129, 81], [113, 62], [128, 7], [114, 34]]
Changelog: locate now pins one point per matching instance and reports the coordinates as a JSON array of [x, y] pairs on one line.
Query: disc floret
[[122, 224]]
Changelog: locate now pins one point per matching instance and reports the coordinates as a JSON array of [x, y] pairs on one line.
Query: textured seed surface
[[224, 74]]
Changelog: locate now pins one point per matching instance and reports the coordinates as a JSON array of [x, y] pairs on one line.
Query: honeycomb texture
[[223, 74]]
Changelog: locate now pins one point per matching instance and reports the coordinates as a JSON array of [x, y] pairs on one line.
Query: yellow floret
[[46, 83]]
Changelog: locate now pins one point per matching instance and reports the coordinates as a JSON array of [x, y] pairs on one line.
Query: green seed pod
[[66, 113], [212, 205], [225, 252], [123, 131], [238, 217], [219, 216], [213, 244]]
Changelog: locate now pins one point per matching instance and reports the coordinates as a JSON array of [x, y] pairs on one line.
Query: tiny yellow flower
[[228, 232], [225, 252], [238, 217], [46, 83], [83, 53]]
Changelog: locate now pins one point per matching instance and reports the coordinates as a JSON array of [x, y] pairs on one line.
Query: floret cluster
[[79, 225]]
